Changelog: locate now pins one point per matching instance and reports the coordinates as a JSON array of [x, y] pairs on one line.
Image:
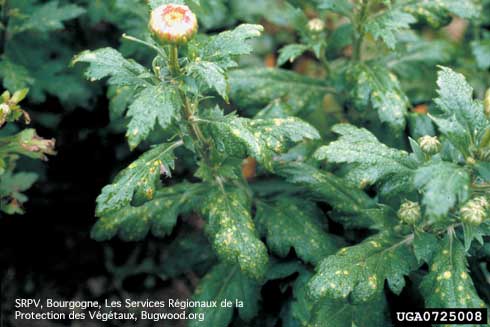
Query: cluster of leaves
[[421, 199], [36, 50], [14, 145]]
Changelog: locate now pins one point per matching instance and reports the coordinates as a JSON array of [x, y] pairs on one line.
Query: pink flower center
[[174, 15]]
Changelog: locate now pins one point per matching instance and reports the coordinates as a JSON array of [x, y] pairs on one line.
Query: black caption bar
[[441, 316]]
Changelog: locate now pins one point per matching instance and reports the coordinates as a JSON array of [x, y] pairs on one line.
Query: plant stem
[[187, 108], [359, 20]]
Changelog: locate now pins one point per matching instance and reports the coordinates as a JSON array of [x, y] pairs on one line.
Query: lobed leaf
[[211, 74], [158, 215], [226, 282], [108, 62], [360, 270], [370, 160], [374, 85], [256, 88], [463, 119], [448, 284], [155, 104], [443, 184], [290, 223], [139, 177], [387, 24], [232, 231]]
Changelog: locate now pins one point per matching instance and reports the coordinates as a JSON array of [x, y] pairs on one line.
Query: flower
[[409, 212], [174, 24], [316, 25], [429, 144]]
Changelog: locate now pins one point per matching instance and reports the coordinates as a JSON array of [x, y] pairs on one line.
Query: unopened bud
[[409, 212], [429, 144], [474, 211], [173, 24], [316, 25]]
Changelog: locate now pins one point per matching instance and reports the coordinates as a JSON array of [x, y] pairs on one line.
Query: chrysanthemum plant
[[426, 210], [13, 145]]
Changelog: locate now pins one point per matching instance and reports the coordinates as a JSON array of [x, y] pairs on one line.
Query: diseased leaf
[[448, 284], [444, 184], [437, 13], [387, 24], [375, 86], [226, 282], [220, 48], [108, 62], [232, 232], [360, 270], [370, 161], [212, 75], [259, 138], [158, 215], [155, 104], [256, 88], [140, 177], [11, 187], [289, 223], [334, 190], [463, 120]]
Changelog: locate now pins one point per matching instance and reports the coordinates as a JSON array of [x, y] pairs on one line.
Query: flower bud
[[474, 211], [429, 144], [316, 25], [409, 212], [486, 103], [173, 24]]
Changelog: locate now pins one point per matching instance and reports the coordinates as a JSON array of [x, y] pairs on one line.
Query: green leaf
[[387, 24], [50, 17], [443, 185], [437, 12], [448, 284], [340, 313], [459, 109], [256, 88], [260, 138], [424, 245], [334, 190], [481, 51], [375, 86], [343, 7], [360, 270], [233, 233], [158, 215], [154, 104], [219, 48], [369, 160], [211, 74], [14, 76], [289, 223], [290, 52], [140, 177], [226, 282], [11, 188], [107, 62]]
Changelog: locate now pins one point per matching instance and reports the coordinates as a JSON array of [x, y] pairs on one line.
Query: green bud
[[474, 211], [429, 144], [316, 25], [409, 212]]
